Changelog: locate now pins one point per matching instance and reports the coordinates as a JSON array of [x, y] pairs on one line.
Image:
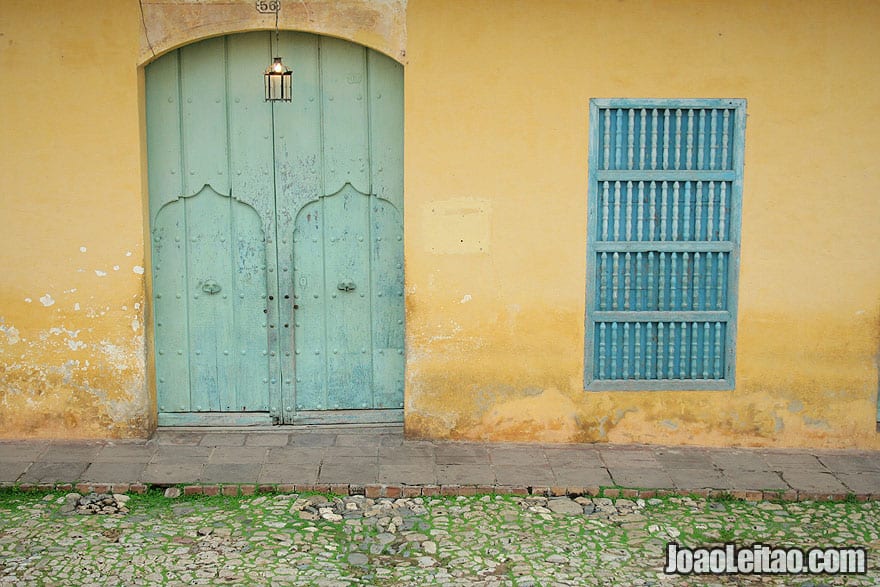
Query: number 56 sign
[[268, 6]]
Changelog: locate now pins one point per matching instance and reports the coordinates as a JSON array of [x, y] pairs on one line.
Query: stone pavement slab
[[648, 477], [757, 480], [12, 472], [41, 472], [355, 458], [15, 452], [113, 472]]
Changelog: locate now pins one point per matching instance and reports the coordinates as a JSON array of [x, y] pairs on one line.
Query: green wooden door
[[277, 233]]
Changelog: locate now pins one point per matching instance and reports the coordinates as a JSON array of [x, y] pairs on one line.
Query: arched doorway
[[276, 233]]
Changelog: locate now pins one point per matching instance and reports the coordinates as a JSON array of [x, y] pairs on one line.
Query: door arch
[[234, 185]]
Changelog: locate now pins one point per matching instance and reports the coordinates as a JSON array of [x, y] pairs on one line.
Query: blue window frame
[[663, 222]]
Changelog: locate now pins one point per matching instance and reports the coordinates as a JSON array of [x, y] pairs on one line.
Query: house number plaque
[[268, 6]]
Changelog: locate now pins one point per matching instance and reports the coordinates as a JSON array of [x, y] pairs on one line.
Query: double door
[[276, 233]]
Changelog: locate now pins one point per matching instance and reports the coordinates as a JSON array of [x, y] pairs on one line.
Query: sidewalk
[[378, 461]]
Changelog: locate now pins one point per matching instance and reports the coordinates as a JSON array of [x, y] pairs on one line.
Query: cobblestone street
[[291, 539]]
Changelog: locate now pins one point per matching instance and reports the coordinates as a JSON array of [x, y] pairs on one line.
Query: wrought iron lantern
[[278, 78], [279, 82]]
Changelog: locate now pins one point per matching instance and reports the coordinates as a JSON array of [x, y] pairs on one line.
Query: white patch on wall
[[46, 300], [75, 345], [11, 333], [76, 306], [82, 249], [466, 299], [116, 268], [117, 354], [100, 273], [28, 300], [138, 269], [137, 306], [71, 290], [135, 324], [128, 253]]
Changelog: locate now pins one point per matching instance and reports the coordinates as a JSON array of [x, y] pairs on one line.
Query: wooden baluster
[[637, 305], [640, 202], [637, 352], [663, 209], [662, 282], [689, 152], [694, 340], [722, 274], [682, 350], [707, 334], [629, 214], [618, 139], [701, 140], [655, 121], [650, 287], [666, 116], [616, 210], [722, 213], [678, 138], [642, 137], [725, 140], [605, 195], [652, 212], [630, 134], [697, 305], [675, 232], [650, 351], [710, 212], [615, 266], [698, 213], [613, 374], [603, 281], [687, 211], [602, 335], [625, 351], [661, 347], [718, 350], [673, 280], [685, 297], [606, 159], [670, 368], [708, 274], [627, 279], [713, 139]]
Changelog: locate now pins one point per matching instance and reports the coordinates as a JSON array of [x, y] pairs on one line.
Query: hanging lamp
[[278, 78]]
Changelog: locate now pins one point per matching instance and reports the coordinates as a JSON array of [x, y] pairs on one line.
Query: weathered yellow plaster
[[168, 24], [71, 238], [497, 98]]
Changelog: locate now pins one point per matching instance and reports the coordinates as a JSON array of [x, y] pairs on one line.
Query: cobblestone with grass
[[493, 540]]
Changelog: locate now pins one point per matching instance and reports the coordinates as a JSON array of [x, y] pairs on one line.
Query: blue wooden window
[[663, 222]]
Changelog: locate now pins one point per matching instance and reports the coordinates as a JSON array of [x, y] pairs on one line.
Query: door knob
[[346, 286], [211, 287]]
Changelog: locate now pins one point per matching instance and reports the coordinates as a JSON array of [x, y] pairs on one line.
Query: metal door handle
[[211, 287], [346, 286]]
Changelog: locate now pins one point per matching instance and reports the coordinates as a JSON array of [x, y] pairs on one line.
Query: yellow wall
[[497, 96], [71, 236], [497, 99]]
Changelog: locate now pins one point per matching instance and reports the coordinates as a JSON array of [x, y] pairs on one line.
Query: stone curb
[[395, 491]]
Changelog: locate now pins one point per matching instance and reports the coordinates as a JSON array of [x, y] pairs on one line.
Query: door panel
[[258, 206], [210, 285], [386, 257], [349, 318]]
